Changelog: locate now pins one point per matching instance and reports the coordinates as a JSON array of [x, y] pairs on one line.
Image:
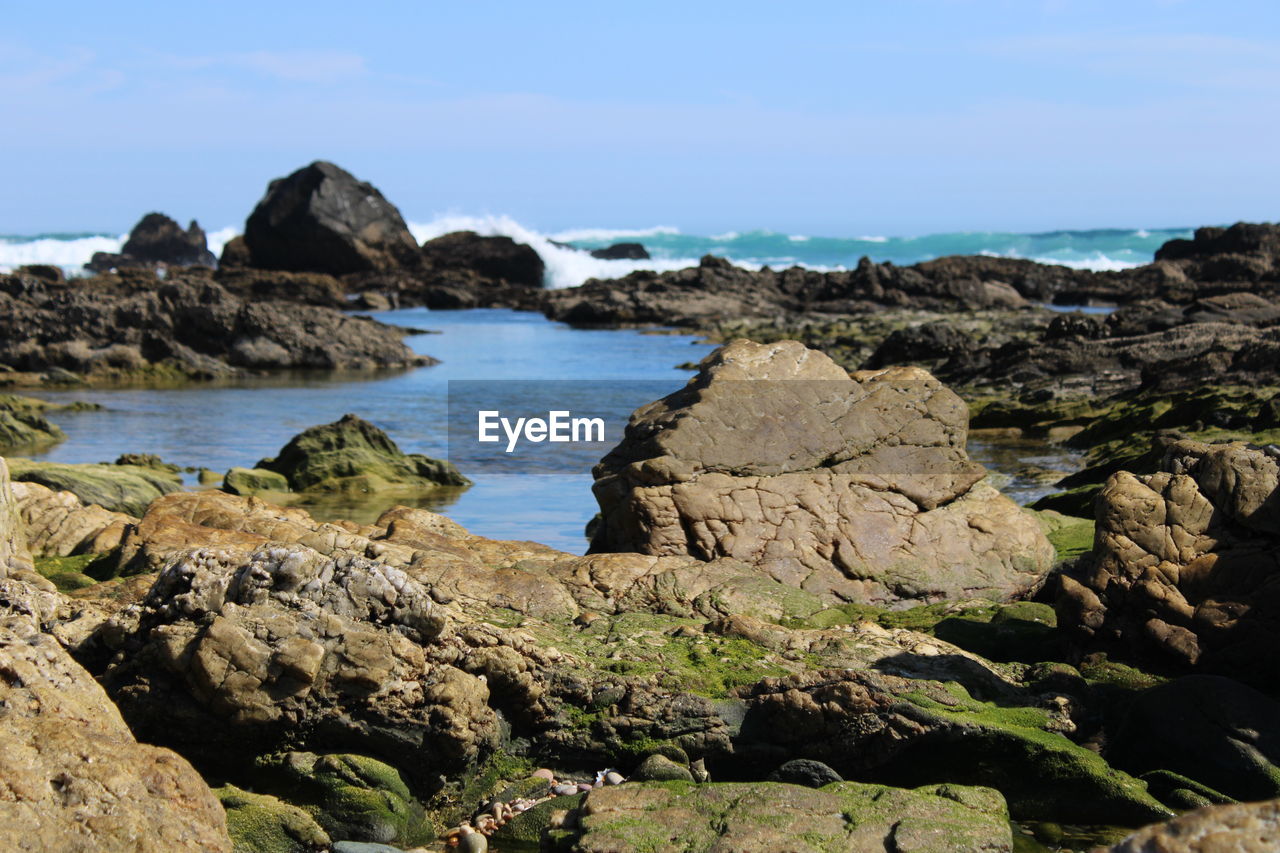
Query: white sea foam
[[68, 254], [1142, 232], [1098, 263], [873, 239], [565, 267], [725, 237], [220, 238], [799, 238]]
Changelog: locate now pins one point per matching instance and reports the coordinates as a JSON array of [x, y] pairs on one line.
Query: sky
[[826, 118]]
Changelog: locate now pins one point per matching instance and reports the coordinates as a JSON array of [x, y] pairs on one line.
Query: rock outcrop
[[14, 555], [158, 242], [23, 424], [468, 258], [851, 488], [187, 326], [1184, 568], [353, 455], [116, 488], [74, 777], [59, 524], [321, 219]]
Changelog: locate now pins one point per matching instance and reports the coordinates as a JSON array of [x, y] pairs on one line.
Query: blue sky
[[832, 118]]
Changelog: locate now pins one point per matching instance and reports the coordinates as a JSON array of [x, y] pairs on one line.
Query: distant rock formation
[[853, 488], [622, 252], [321, 219], [155, 242]]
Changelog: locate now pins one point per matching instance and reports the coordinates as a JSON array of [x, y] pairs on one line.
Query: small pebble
[[544, 773], [584, 787], [564, 789], [613, 777]]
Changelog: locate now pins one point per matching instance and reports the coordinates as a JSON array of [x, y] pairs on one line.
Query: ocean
[[670, 248]]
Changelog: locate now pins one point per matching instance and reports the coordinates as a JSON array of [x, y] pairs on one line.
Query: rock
[[74, 777], [14, 555], [1184, 566], [352, 797], [659, 768], [491, 261], [846, 816], [353, 455], [259, 823], [248, 481], [853, 488], [803, 771], [187, 326], [128, 489], [1242, 827], [237, 653], [23, 424], [321, 219], [311, 288], [59, 524], [158, 241], [235, 254], [622, 252], [1213, 730]]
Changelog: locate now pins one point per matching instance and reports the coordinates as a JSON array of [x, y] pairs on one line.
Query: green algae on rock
[[250, 481], [353, 455], [258, 823], [119, 488], [23, 424]]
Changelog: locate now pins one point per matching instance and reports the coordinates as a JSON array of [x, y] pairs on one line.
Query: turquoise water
[[613, 372]]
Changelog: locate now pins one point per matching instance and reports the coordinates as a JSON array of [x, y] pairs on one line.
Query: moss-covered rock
[[353, 797], [1071, 535], [69, 573], [659, 816], [121, 488], [258, 823], [23, 424], [353, 455], [527, 828], [250, 481]]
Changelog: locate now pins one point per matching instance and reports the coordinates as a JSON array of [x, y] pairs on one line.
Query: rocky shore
[[841, 638]]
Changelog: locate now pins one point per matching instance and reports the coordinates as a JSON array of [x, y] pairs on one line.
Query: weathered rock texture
[[1185, 563], [74, 779], [158, 241], [1238, 828], [122, 488], [321, 219], [858, 488], [58, 524]]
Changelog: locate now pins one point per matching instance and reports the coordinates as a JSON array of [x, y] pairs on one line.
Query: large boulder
[[857, 488], [1186, 563], [74, 777], [321, 219], [158, 241], [485, 261], [353, 455]]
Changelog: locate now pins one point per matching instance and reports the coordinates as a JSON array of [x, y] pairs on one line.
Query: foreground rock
[[851, 488], [14, 556], [351, 455], [158, 242], [321, 219], [769, 816], [1184, 568], [59, 524], [136, 326], [1238, 827], [74, 777]]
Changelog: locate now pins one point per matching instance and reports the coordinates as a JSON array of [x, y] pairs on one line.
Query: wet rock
[[158, 241], [622, 252], [75, 778], [1184, 567], [247, 481], [769, 816], [23, 424], [1242, 827], [851, 488], [352, 454], [321, 219]]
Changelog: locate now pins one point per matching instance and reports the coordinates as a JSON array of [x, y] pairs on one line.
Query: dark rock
[[622, 252], [804, 771], [235, 254], [354, 455], [466, 257], [1214, 730], [321, 219], [158, 241]]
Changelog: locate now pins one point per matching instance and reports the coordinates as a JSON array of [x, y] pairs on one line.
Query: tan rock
[[14, 555], [59, 525], [1235, 828]]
